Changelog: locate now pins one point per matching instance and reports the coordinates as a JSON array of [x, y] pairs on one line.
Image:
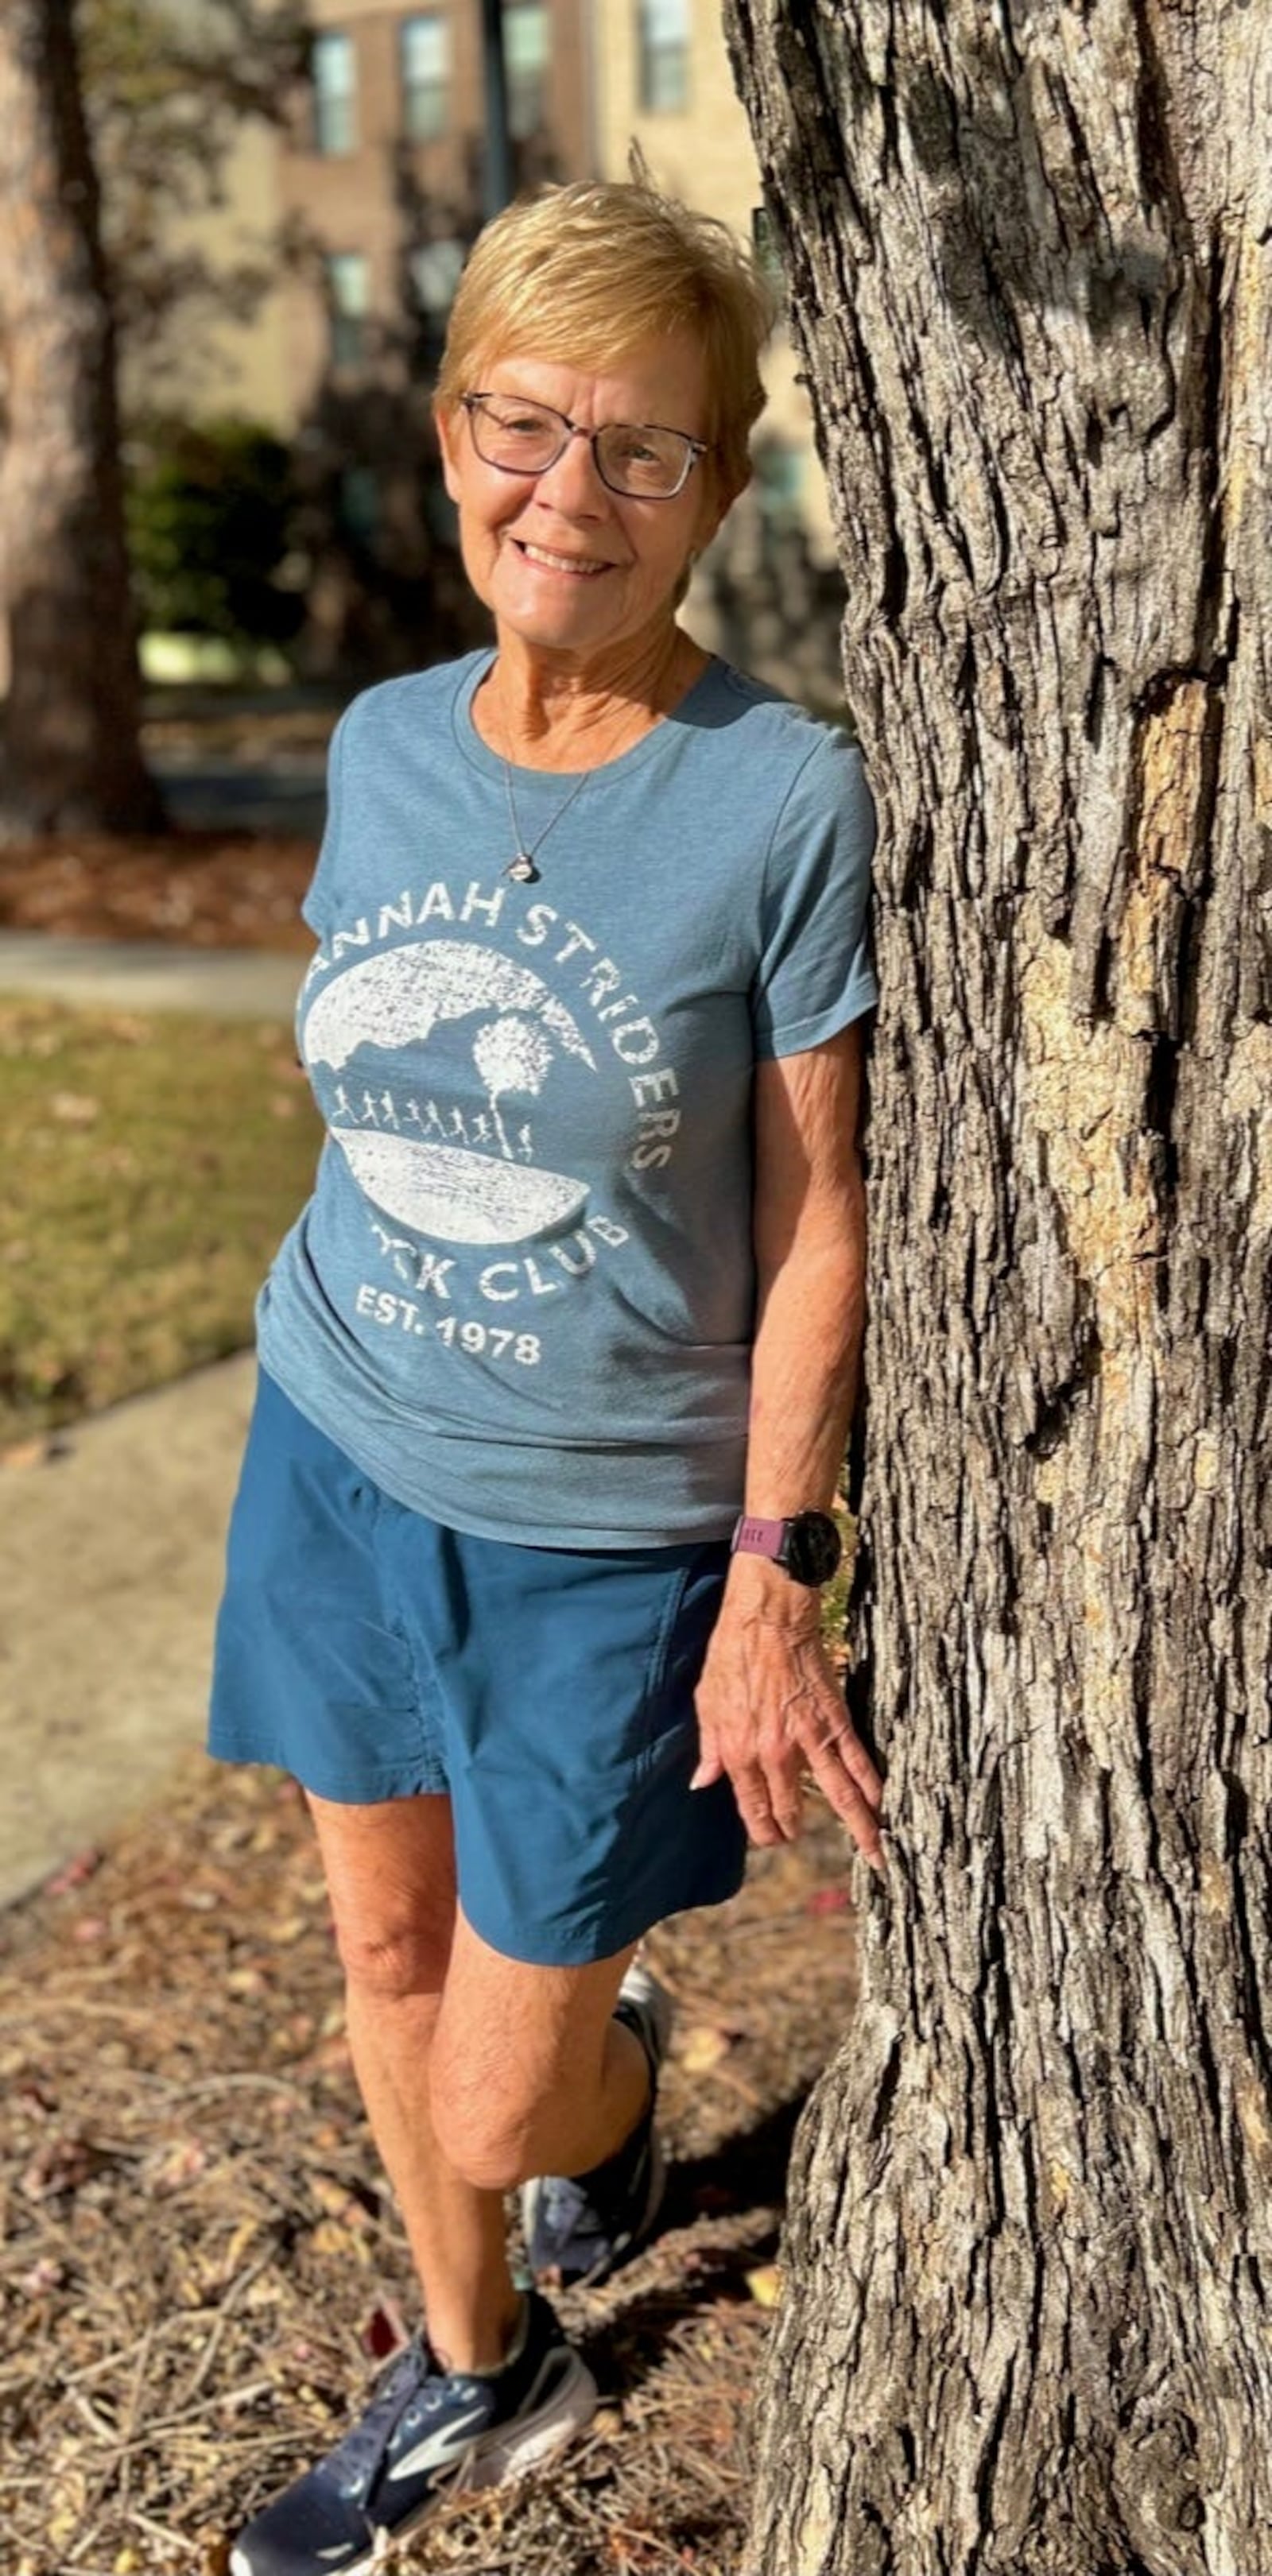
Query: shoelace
[[355, 2459]]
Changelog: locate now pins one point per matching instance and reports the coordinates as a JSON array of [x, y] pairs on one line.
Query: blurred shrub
[[210, 510]]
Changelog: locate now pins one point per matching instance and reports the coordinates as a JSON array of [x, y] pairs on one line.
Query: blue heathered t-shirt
[[521, 1296]]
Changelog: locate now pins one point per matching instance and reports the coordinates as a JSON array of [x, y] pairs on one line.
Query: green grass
[[151, 1166]]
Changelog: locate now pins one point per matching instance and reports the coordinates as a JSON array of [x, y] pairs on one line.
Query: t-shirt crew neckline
[[491, 764]]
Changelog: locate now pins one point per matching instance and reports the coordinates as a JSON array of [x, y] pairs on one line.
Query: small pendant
[[522, 870]]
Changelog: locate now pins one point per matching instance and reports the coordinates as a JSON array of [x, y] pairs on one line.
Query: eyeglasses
[[640, 462]]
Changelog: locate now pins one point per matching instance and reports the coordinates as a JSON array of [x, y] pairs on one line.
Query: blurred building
[[768, 594], [663, 80], [373, 185], [223, 352], [382, 184], [381, 169]]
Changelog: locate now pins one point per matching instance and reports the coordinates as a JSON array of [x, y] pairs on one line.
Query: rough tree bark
[[1029, 2318], [69, 747]]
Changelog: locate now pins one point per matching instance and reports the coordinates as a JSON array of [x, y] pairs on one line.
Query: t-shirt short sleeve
[[318, 899], [814, 975]]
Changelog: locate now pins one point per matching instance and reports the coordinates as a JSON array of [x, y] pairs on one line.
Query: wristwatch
[[807, 1545]]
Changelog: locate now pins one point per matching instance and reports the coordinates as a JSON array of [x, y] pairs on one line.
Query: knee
[[393, 1961], [489, 2129], [489, 2159]]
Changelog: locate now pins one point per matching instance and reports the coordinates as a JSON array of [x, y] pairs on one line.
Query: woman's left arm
[[770, 1706]]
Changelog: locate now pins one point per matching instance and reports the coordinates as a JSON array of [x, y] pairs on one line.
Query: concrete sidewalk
[[111, 1548], [151, 975]]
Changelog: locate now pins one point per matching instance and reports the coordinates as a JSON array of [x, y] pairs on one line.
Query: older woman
[[557, 1364]]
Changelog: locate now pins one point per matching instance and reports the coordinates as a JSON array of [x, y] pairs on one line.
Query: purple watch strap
[[754, 1537]]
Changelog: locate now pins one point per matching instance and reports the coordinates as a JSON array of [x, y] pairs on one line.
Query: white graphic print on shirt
[[435, 1059]]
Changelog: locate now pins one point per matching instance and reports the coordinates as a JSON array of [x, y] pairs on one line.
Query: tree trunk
[[69, 746], [1028, 2323]]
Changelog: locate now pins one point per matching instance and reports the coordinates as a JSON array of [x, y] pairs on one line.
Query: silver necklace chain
[[521, 868]]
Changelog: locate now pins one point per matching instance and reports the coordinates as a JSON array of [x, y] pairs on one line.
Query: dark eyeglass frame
[[694, 448]]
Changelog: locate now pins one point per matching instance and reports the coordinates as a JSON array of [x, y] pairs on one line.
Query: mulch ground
[[204, 889], [199, 2262]]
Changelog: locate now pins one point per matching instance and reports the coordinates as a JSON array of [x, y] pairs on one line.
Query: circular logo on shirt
[[468, 1040]]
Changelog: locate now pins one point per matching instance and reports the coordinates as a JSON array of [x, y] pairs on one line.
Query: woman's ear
[[450, 426]]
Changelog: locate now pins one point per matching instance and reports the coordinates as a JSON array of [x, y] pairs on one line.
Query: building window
[[335, 78], [662, 50], [347, 303], [425, 76], [525, 36], [435, 273]]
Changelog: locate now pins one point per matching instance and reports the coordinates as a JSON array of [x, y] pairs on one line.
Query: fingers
[[770, 1800], [710, 1765], [837, 1764], [767, 1819], [772, 1718], [843, 1771], [843, 1749]]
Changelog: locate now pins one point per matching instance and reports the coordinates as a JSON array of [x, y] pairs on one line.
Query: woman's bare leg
[[391, 1874], [521, 2067]]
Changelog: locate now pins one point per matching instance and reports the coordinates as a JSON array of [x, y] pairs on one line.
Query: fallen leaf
[[337, 2201], [828, 1900], [73, 1873], [702, 2048], [332, 2236], [385, 2330], [245, 1981], [765, 2285]]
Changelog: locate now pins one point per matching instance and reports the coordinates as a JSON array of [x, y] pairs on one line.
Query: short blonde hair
[[587, 272]]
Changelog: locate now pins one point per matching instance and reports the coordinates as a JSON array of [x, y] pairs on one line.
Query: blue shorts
[[547, 1692]]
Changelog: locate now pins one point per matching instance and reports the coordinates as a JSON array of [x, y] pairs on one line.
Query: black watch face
[[813, 1547]]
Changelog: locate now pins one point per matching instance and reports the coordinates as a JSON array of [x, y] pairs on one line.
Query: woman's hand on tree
[[771, 1715]]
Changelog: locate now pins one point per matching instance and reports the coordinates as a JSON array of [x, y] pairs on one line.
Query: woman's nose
[[572, 480]]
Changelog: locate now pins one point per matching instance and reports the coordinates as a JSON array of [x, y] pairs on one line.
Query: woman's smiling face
[[569, 567]]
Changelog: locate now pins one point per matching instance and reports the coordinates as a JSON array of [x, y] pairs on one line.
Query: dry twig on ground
[[198, 2263]]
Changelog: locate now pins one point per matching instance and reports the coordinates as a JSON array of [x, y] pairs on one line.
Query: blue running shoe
[[425, 2431], [579, 2228]]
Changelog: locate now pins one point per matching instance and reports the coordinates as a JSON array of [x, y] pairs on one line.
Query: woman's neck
[[539, 712]]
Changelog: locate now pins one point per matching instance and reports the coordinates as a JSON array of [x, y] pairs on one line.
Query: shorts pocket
[[693, 1606]]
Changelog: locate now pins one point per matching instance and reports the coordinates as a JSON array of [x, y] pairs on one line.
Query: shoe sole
[[508, 2451]]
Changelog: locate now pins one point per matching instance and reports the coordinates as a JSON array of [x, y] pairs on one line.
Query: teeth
[[560, 563]]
